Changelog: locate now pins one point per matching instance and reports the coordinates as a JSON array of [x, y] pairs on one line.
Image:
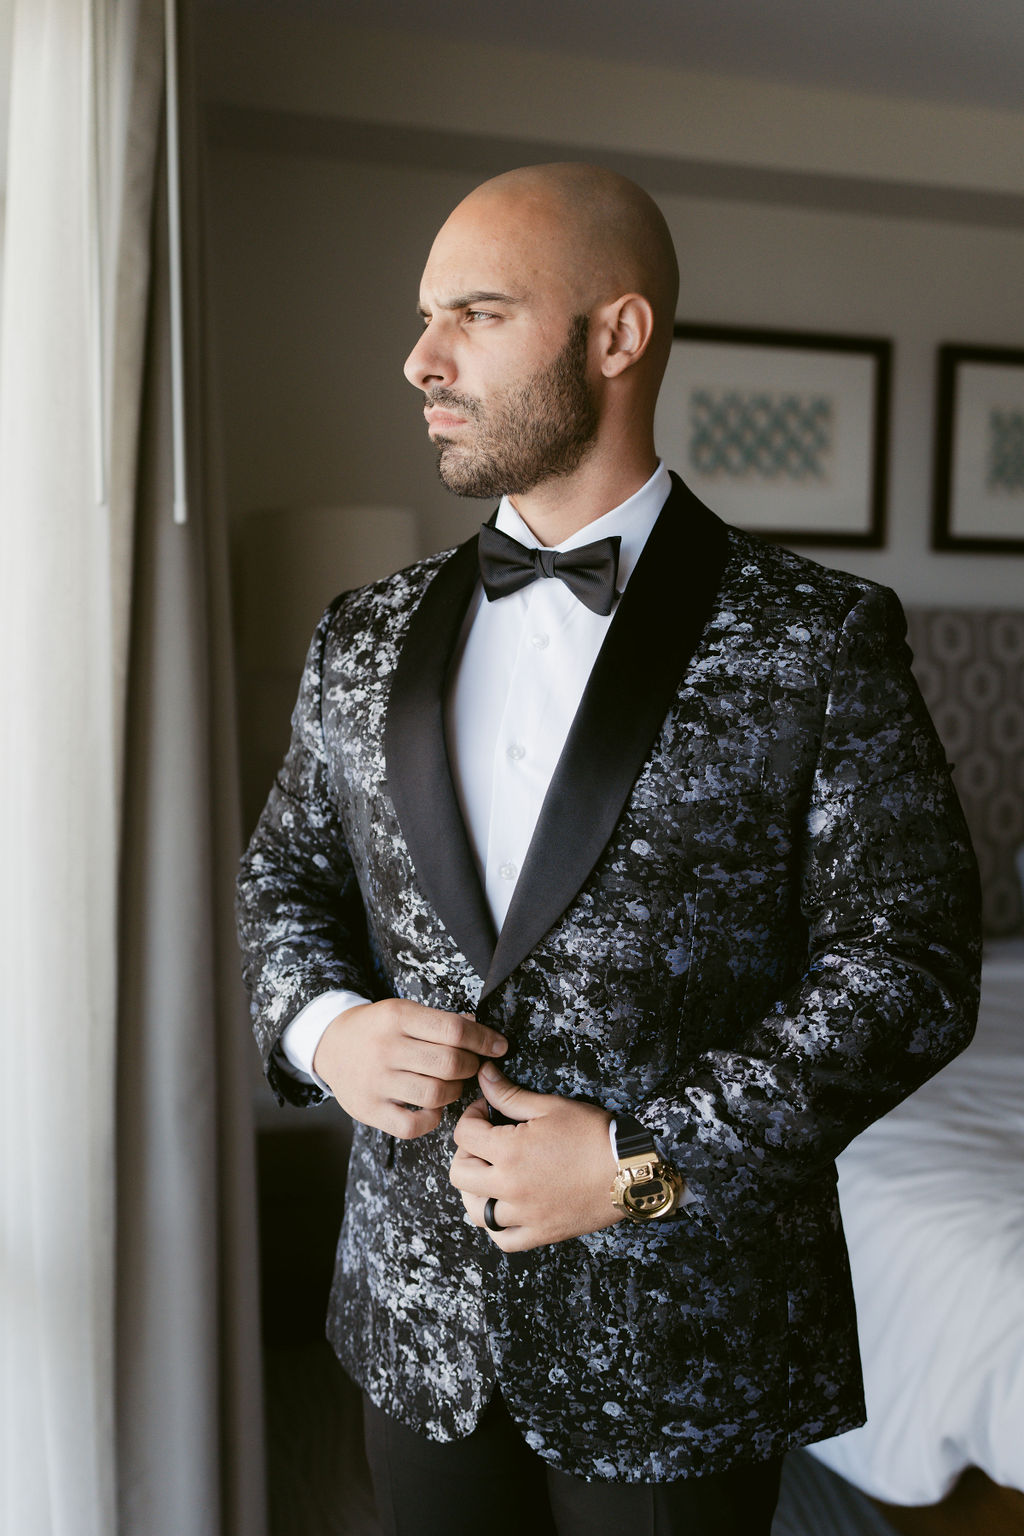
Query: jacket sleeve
[[301, 922], [889, 891]]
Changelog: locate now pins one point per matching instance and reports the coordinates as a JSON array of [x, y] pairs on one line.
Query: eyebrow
[[467, 300]]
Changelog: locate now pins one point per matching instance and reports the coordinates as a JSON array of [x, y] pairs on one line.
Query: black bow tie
[[589, 572]]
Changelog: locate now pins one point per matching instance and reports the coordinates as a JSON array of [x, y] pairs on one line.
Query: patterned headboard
[[970, 666]]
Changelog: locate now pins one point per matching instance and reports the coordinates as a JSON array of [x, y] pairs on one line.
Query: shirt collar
[[632, 521]]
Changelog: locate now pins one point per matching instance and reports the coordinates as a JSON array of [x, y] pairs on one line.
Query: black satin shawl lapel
[[649, 645], [417, 766]]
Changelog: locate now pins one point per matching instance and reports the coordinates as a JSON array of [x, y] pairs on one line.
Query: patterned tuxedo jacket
[[749, 915]]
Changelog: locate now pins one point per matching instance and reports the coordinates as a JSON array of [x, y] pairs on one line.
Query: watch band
[[631, 1138], [644, 1187]]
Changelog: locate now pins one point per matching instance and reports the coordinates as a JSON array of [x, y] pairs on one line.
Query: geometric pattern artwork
[[1005, 470], [760, 434], [970, 667]]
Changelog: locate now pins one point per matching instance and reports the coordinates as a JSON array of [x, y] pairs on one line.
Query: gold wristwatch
[[644, 1188]]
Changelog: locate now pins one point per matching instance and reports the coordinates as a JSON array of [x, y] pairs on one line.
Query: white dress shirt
[[522, 665]]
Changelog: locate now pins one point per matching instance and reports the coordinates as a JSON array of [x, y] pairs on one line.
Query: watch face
[[646, 1190], [649, 1198]]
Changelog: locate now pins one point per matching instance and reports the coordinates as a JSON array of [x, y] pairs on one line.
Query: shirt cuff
[[302, 1036]]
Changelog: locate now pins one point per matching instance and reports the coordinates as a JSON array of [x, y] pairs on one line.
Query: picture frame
[[978, 502], [784, 433]]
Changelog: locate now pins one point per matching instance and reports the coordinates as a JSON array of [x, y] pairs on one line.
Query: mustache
[[451, 400]]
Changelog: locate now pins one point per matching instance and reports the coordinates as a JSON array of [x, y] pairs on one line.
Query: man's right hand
[[381, 1060]]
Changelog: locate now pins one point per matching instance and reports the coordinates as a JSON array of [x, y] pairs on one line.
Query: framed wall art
[[784, 433], [979, 450]]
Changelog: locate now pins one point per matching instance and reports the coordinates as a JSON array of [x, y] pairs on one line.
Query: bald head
[[548, 301], [593, 231]]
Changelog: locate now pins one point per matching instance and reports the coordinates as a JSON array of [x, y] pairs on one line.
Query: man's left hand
[[549, 1173]]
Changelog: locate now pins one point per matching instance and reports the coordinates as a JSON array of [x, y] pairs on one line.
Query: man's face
[[502, 363], [509, 439]]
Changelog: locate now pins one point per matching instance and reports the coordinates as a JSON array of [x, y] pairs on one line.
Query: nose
[[429, 363]]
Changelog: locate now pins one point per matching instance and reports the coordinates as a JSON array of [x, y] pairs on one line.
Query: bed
[[933, 1205], [933, 1194]]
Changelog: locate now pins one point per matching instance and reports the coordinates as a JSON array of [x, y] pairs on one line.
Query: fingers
[[512, 1236], [473, 1116], [443, 1047], [474, 1134], [472, 1175], [549, 1172], [475, 1128], [395, 1064], [457, 1032], [501, 1216], [404, 1121], [425, 1092], [431, 1059], [514, 1103]]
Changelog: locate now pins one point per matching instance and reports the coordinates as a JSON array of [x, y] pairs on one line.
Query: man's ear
[[626, 327]]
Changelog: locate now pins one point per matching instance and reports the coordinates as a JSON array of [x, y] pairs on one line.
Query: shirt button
[[516, 752], [540, 642], [508, 871]]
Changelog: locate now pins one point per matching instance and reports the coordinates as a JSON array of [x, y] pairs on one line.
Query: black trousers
[[492, 1484]]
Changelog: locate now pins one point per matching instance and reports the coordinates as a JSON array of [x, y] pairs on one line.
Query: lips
[[439, 420]]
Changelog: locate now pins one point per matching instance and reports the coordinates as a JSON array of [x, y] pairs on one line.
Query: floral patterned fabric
[[776, 942]]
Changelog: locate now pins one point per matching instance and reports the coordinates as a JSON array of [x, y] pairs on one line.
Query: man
[[664, 828]]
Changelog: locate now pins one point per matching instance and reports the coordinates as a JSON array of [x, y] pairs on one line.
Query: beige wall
[[315, 272], [312, 64], [334, 155]]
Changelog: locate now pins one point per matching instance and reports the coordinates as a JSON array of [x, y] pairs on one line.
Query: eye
[[480, 314]]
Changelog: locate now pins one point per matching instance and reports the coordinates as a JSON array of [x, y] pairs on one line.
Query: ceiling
[[954, 51], [968, 52]]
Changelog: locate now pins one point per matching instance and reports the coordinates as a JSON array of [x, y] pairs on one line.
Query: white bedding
[[933, 1204]]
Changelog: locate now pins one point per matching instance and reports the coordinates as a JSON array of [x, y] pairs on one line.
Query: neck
[[557, 508]]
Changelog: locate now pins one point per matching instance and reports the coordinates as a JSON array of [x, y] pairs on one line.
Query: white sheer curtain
[[129, 1398]]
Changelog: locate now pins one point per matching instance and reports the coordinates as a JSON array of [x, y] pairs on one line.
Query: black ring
[[489, 1221]]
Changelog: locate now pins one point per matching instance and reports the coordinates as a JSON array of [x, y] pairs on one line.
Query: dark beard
[[538, 431]]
